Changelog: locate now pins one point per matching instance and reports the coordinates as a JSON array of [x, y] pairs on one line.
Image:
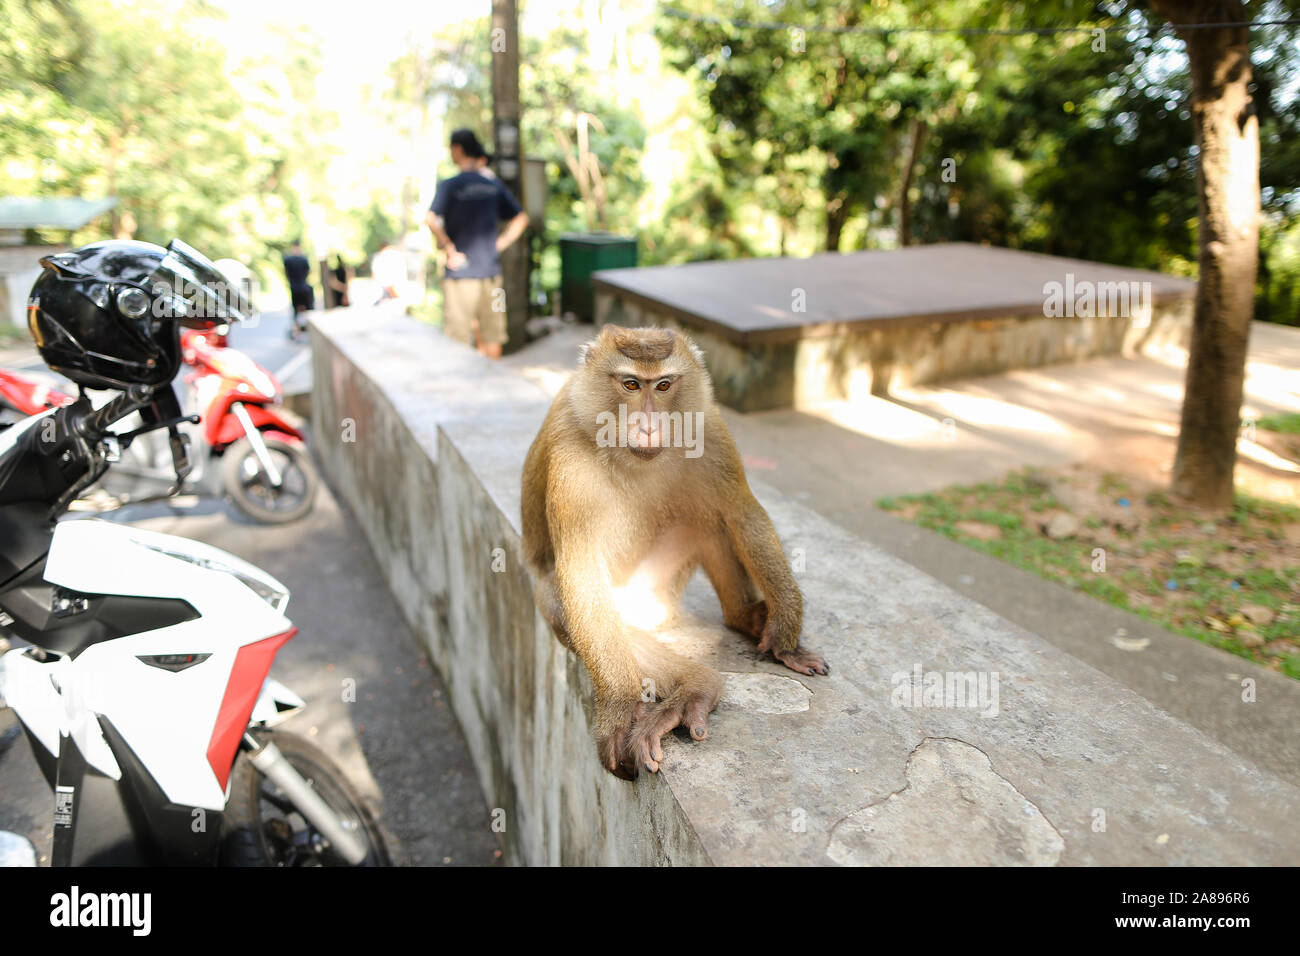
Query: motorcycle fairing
[[169, 719]]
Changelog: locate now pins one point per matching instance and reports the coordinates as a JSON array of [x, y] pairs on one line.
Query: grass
[[11, 335], [1287, 424], [1233, 583], [429, 309]]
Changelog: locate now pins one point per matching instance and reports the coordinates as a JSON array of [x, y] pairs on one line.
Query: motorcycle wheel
[[264, 829], [252, 492]]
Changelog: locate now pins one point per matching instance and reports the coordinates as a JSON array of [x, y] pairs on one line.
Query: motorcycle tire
[[253, 494], [263, 829]]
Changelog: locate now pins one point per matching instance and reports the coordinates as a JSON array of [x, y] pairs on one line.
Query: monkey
[[611, 514]]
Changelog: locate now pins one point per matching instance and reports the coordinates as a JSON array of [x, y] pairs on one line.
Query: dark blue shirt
[[296, 270], [470, 206]]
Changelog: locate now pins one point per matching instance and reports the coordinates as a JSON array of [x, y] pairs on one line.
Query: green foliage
[[1287, 424], [378, 229], [1066, 143], [785, 142], [139, 103], [557, 87], [821, 113]]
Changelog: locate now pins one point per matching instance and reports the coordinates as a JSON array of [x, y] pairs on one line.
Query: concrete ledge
[[864, 359], [1072, 769]]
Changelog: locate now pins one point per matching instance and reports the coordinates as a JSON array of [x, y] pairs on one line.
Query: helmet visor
[[196, 291]]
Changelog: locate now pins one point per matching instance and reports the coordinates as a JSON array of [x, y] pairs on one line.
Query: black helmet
[[108, 315]]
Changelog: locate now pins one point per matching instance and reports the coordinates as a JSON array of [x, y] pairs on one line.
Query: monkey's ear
[[585, 352], [696, 352]]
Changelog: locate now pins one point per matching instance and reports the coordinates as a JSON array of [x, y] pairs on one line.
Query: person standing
[[337, 280], [464, 219], [297, 271]]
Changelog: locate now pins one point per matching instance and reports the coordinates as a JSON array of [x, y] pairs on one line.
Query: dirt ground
[[1232, 581], [1149, 458]]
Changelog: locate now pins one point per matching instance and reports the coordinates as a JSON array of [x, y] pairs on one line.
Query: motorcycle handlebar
[[96, 423]]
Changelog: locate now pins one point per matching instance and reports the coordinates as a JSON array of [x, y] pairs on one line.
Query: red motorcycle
[[264, 463], [253, 453], [27, 396]]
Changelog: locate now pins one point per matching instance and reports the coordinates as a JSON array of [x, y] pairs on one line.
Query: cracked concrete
[[764, 694], [955, 811]]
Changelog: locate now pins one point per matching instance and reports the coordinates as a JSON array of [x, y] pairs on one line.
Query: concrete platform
[[784, 333], [1063, 765]]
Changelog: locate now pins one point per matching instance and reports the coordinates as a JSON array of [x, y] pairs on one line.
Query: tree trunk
[[1227, 134], [915, 140], [837, 214]]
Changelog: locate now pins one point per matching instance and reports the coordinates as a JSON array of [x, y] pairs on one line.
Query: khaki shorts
[[468, 313]]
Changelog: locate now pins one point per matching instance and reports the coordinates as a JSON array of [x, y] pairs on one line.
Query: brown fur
[[595, 516], [654, 345]]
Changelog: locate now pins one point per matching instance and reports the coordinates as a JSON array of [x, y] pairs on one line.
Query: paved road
[[267, 342], [399, 741]]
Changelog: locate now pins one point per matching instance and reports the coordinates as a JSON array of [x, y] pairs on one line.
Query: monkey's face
[[637, 388]]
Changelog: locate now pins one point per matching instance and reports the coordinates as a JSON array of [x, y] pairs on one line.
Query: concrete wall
[[17, 275], [382, 385], [865, 359], [835, 770]]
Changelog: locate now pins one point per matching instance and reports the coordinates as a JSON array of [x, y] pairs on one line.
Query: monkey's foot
[[689, 710], [615, 757], [615, 749], [800, 659]]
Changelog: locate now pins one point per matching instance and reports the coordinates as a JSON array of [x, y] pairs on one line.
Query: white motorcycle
[[144, 690]]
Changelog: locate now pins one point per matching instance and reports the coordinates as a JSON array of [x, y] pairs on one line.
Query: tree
[[196, 137], [1227, 136]]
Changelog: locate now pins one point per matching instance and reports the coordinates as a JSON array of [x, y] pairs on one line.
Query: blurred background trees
[[146, 103], [1061, 143], [713, 137]]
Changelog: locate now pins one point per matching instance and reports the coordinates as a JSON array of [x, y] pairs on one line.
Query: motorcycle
[[145, 692], [25, 396], [253, 452]]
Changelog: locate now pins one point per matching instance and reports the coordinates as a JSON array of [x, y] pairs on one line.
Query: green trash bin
[[581, 254]]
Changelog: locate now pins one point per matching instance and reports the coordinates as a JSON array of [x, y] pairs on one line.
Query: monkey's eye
[[631, 384], [663, 385]]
